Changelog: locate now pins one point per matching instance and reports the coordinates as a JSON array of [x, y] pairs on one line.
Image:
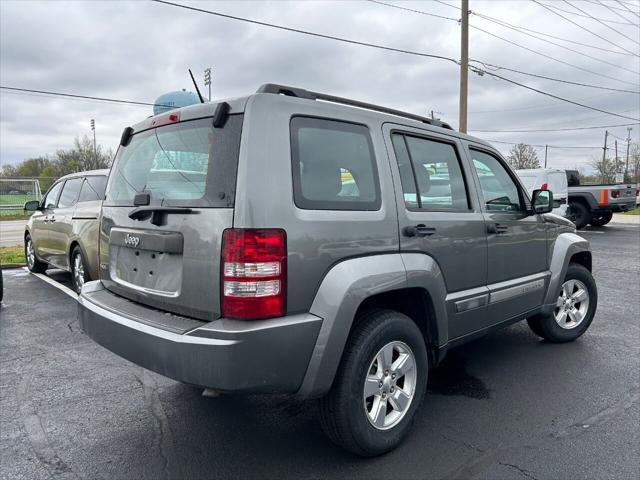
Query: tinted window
[[93, 189], [70, 192], [52, 196], [499, 191], [430, 174], [333, 165], [183, 164]]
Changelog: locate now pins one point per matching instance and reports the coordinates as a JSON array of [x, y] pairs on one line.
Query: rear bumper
[[228, 355], [617, 207]]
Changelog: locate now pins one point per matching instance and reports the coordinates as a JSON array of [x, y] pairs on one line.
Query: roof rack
[[308, 95]]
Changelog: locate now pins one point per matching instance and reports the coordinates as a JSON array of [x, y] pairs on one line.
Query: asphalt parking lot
[[506, 406]]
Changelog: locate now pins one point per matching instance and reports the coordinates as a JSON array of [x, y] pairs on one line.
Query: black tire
[[342, 412], [37, 266], [77, 286], [547, 327], [580, 214], [601, 220]]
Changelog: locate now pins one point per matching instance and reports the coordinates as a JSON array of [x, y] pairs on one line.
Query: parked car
[[277, 243], [548, 178], [63, 230], [596, 204]]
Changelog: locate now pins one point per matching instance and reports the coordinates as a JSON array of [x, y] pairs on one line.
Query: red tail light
[[615, 193], [544, 186], [254, 273]]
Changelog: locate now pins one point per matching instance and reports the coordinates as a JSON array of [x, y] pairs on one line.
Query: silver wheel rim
[[78, 270], [31, 256], [390, 385], [572, 304]]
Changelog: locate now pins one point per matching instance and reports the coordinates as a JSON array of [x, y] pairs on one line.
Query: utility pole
[[604, 154], [464, 66], [95, 151], [546, 149], [626, 166], [207, 79]]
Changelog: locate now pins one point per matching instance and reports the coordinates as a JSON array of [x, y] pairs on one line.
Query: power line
[[556, 59], [584, 16], [554, 129], [613, 10], [627, 8], [519, 28], [86, 97], [601, 22], [550, 146], [373, 45], [569, 82], [421, 12], [553, 10], [481, 72], [538, 106]]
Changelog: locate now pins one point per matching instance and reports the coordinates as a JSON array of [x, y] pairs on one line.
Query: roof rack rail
[[309, 95]]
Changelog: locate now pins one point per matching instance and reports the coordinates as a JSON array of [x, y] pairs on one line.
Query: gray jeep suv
[[295, 242]]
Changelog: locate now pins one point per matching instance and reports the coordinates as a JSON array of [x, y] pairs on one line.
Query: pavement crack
[[524, 472], [164, 438], [36, 434]]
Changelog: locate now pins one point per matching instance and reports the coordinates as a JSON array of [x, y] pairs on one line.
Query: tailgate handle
[[157, 214]]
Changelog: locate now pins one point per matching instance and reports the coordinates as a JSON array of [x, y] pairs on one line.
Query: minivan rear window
[[184, 164]]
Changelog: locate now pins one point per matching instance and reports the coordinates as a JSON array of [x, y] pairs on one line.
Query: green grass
[[6, 199], [635, 211], [12, 256]]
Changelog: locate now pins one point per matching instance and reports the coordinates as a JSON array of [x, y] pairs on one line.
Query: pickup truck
[[596, 204]]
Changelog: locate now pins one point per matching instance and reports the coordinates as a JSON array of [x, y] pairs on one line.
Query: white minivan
[[551, 179]]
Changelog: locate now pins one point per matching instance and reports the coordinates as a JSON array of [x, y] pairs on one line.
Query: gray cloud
[[140, 50]]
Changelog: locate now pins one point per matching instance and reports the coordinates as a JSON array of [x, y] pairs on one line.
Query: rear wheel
[[574, 311], [79, 273], [580, 214], [602, 219], [34, 265], [379, 385]]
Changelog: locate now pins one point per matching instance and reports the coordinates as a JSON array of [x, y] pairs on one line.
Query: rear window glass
[[334, 166], [184, 164], [93, 189]]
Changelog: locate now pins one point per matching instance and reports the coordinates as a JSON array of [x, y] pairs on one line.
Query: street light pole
[[626, 166], [95, 151]]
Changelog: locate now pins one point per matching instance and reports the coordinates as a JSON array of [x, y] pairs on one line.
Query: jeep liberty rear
[[288, 242]]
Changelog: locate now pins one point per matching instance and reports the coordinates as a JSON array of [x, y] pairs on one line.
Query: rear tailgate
[[170, 196]]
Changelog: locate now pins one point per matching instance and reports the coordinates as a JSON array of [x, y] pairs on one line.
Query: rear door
[[60, 223], [438, 217], [169, 197], [517, 240]]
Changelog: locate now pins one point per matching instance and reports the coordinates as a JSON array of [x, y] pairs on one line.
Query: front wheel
[[601, 220], [574, 311], [379, 386]]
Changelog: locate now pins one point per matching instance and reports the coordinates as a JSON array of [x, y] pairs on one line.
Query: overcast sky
[[139, 50]]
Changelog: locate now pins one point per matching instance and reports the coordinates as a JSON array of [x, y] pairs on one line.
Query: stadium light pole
[[95, 151], [207, 79]]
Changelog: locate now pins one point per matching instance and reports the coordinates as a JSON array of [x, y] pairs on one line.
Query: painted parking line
[[53, 283]]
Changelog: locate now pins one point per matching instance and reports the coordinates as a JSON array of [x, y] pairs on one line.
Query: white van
[[548, 178]]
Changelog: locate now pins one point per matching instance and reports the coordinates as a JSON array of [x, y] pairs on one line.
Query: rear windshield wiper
[[158, 214]]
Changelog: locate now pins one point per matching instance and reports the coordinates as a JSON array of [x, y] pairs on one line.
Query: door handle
[[497, 228], [420, 230]]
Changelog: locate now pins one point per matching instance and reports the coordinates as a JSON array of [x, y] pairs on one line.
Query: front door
[[517, 240], [40, 227], [437, 217], [60, 223]]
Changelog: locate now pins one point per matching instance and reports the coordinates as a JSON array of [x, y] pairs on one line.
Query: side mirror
[[32, 205], [542, 201]]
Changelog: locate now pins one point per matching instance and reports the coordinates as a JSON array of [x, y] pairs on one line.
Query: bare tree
[[605, 169], [523, 156]]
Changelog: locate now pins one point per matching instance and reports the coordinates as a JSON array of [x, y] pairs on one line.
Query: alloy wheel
[[390, 385], [572, 304], [78, 271]]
